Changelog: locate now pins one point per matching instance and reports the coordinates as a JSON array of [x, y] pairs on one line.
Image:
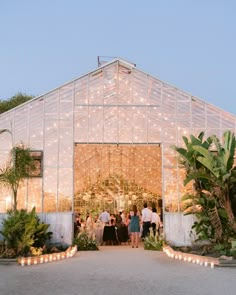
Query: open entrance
[[116, 176]]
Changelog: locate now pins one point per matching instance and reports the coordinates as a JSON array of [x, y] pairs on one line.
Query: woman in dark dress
[[134, 227]]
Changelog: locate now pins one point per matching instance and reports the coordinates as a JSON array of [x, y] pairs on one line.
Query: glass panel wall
[[115, 104], [136, 108], [34, 196]]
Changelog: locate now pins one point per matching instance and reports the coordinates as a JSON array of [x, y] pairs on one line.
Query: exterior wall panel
[[116, 103]]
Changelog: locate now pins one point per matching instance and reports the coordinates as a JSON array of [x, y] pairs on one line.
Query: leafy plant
[[153, 242], [19, 167], [233, 253], [85, 242], [214, 181], [22, 230]]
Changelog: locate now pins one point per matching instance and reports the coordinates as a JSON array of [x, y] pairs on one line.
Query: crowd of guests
[[141, 223], [128, 226]]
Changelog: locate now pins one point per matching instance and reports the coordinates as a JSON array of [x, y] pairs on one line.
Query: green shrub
[[152, 242], [84, 242], [233, 252], [2, 248], [22, 230]]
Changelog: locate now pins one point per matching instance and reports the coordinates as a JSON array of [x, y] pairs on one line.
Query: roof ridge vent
[[102, 60], [105, 59]]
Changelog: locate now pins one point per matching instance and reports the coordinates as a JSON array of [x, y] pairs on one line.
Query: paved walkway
[[117, 270]]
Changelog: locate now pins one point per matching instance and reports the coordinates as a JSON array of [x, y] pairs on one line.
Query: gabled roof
[[129, 65]]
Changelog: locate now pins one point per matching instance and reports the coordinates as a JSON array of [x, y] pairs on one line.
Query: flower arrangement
[[36, 251]]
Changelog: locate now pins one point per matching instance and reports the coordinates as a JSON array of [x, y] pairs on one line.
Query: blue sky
[[190, 44]]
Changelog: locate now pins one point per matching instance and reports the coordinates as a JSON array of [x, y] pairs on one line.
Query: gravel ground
[[117, 270]]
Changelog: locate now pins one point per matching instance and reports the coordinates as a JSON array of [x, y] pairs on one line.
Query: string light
[[138, 108], [137, 173]]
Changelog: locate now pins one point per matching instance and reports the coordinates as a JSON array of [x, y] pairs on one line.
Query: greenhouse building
[[104, 141]]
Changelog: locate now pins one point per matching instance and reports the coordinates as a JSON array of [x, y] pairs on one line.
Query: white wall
[[61, 224], [2, 216], [177, 229]]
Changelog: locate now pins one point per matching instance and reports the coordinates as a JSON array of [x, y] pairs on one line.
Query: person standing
[[89, 222], [146, 219], [134, 227], [90, 225], [155, 222], [123, 216], [105, 217]]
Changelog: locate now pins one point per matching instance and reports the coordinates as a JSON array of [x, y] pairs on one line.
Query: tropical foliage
[[22, 230], [85, 242], [213, 175], [153, 242]]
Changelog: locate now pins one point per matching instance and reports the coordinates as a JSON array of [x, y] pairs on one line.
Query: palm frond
[[216, 222]]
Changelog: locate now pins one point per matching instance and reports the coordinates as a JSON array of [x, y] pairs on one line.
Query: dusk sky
[[186, 43]]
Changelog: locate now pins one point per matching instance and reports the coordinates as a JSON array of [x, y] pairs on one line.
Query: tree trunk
[[229, 210], [14, 201]]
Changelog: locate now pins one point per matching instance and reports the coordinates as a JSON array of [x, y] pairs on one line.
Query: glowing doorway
[[116, 177]]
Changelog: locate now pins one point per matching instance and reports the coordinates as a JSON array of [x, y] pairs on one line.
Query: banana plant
[[188, 158], [214, 177], [220, 169]]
